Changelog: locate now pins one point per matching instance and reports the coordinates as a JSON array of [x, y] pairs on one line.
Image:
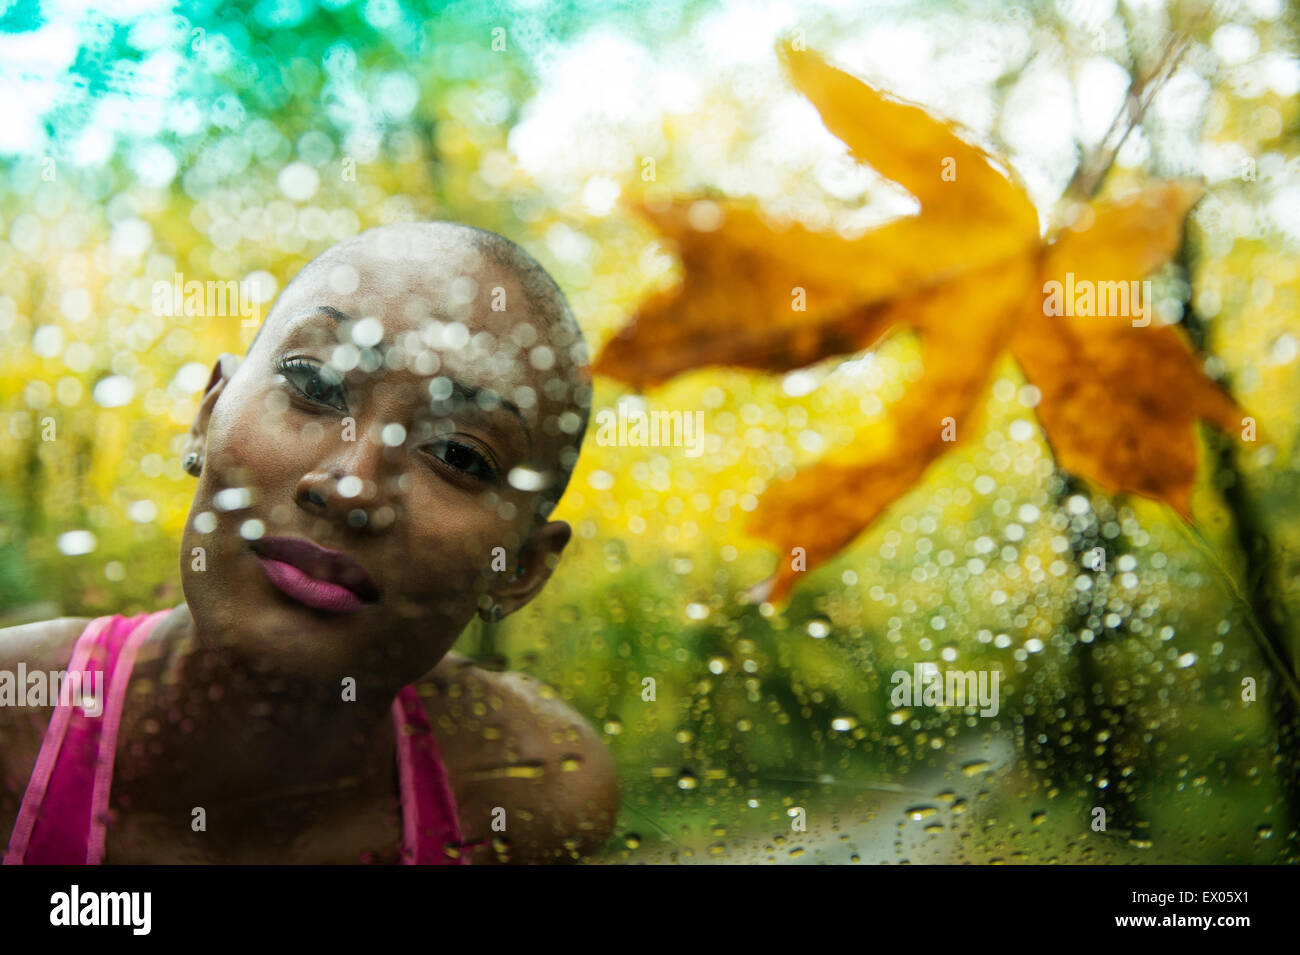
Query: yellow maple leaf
[[971, 274]]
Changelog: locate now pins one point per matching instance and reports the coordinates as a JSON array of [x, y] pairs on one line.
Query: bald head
[[449, 272]]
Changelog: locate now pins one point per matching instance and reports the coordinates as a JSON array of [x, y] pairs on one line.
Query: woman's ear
[[537, 560], [222, 371]]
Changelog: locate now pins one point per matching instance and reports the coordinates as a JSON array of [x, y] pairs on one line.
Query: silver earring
[[192, 463]]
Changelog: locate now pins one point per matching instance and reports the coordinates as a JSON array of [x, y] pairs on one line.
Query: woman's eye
[[314, 383], [464, 458]]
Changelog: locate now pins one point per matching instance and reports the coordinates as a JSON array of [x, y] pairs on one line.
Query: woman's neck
[[211, 730]]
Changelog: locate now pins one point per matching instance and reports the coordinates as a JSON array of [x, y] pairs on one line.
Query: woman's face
[[379, 415]]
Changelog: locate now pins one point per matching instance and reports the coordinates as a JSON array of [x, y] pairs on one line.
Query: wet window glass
[[603, 434]]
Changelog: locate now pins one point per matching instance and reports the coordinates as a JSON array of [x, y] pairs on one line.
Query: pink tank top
[[64, 813]]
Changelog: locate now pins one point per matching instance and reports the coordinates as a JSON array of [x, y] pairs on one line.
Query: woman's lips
[[323, 579], [320, 594]]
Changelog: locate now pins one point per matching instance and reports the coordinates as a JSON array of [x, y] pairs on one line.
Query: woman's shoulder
[[511, 743], [46, 644]]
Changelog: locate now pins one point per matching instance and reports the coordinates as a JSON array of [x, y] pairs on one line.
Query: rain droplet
[[526, 479], [367, 332], [393, 435], [114, 392], [232, 499], [77, 542]]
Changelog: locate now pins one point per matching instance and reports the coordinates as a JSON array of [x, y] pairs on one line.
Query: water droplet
[[526, 479], [74, 543], [917, 813], [114, 392], [687, 780], [1284, 350], [976, 767], [232, 499], [367, 332]]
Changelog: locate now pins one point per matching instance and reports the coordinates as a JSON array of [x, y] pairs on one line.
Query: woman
[[377, 470]]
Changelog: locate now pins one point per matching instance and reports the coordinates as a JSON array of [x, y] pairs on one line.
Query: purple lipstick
[[315, 576]]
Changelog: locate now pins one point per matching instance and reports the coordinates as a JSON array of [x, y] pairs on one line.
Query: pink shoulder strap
[[430, 828], [64, 812]]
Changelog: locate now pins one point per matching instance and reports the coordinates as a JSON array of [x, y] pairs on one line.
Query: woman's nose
[[349, 488]]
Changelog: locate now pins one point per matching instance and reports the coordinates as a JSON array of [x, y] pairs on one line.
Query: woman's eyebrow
[[302, 321], [460, 390], [470, 394], [334, 313]]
